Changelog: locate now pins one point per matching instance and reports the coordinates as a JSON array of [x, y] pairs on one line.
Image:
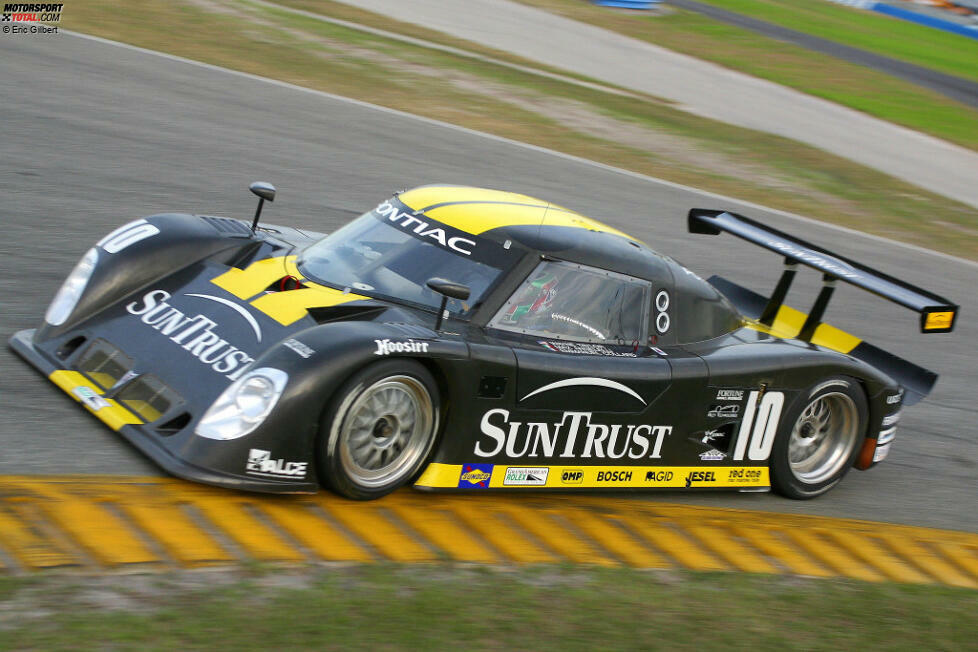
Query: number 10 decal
[[759, 426]]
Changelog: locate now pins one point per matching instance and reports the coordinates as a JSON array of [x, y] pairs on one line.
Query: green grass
[[857, 87], [925, 46], [634, 132], [441, 607]]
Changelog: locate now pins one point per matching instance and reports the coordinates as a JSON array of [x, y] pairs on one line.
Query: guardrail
[[912, 16], [628, 4]]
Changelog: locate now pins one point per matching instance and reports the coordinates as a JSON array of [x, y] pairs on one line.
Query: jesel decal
[[573, 436]]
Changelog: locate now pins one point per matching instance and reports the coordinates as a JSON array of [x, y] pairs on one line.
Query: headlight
[[244, 405], [71, 290]]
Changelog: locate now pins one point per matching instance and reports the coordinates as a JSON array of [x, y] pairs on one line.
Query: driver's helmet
[[535, 298]]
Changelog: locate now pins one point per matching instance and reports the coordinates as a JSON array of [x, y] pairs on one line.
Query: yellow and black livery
[[464, 338]]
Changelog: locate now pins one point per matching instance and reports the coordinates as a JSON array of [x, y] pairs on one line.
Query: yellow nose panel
[[246, 283], [284, 307]]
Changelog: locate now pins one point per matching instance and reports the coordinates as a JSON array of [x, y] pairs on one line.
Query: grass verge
[[444, 607], [925, 46], [857, 87], [634, 132]]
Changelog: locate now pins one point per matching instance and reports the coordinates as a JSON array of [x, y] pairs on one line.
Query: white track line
[[535, 148]]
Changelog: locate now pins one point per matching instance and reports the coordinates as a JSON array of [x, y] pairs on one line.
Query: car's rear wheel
[[820, 439], [379, 429]]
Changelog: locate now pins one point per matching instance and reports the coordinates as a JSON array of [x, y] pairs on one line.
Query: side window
[[562, 300]]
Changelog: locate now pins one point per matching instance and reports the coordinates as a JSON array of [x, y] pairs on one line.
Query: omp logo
[[126, 235], [572, 476], [586, 381]]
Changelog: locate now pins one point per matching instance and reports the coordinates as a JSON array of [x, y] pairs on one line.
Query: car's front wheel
[[379, 429], [820, 439]]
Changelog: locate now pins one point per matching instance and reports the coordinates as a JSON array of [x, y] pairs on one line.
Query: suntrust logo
[[196, 334]]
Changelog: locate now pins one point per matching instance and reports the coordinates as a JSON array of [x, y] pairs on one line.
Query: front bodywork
[[179, 307]]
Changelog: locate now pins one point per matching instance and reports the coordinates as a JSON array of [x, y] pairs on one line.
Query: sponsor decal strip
[[500, 476], [85, 392]]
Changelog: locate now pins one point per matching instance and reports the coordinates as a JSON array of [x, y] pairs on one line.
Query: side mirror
[[264, 190], [447, 289]]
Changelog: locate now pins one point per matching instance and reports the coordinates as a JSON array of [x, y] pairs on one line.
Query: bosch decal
[[614, 476]]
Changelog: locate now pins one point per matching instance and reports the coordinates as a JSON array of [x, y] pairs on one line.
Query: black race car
[[457, 337]]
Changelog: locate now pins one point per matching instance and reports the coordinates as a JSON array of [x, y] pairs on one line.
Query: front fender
[[318, 361], [142, 252]]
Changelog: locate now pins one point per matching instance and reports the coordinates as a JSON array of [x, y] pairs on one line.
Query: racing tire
[[820, 439], [379, 429]]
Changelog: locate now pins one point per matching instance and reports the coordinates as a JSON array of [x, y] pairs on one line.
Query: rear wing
[[937, 314]]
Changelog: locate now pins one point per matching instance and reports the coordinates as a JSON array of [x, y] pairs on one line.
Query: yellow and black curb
[[112, 522]]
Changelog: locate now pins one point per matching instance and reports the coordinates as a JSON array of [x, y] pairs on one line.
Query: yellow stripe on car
[[246, 283], [284, 307], [112, 414], [439, 475], [476, 210], [788, 323]]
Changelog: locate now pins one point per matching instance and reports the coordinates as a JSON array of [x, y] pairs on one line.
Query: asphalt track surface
[[699, 87], [956, 88], [96, 135]]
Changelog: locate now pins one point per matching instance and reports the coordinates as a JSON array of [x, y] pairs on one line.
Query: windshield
[[391, 252]]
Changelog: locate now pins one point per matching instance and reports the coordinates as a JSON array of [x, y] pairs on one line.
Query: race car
[[464, 338]]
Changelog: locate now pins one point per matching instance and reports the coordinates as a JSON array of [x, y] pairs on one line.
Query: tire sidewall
[[783, 480], [328, 461]]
